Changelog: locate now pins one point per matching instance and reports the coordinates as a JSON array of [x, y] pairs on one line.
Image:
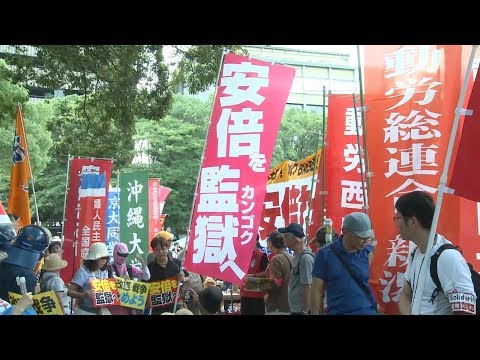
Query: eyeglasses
[[396, 217]]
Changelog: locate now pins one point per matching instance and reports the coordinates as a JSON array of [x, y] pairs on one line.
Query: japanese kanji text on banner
[[248, 107]]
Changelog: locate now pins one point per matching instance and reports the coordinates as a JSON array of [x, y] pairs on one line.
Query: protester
[[120, 268], [343, 267], [414, 216], [209, 301], [51, 279], [252, 302], [54, 247], [23, 255], [163, 267], [320, 240], [278, 273], [169, 237], [301, 276], [24, 304], [94, 266]]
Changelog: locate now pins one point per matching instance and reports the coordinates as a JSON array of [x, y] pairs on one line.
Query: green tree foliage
[[298, 136], [118, 83], [36, 116], [176, 147]]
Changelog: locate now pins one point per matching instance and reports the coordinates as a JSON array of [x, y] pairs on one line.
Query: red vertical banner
[[162, 196], [72, 230], [248, 107], [91, 213], [411, 96], [153, 208], [343, 174]]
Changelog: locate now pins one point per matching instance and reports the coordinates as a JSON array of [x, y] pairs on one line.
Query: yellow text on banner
[[162, 293], [104, 292]]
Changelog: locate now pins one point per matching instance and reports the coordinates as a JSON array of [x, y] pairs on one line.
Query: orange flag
[[18, 199]]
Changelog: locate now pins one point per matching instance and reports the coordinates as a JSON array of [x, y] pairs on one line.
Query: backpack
[[113, 268], [44, 282], [297, 272], [434, 274]]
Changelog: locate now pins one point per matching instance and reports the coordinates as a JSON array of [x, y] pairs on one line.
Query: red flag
[[466, 174], [18, 199], [3, 215]]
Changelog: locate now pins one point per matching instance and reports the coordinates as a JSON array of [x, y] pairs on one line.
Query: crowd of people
[[333, 279]]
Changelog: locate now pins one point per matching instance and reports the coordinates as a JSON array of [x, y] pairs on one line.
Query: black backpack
[[297, 270], [433, 273], [113, 268]]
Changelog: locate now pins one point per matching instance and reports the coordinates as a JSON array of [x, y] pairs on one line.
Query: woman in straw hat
[[94, 266], [51, 279]]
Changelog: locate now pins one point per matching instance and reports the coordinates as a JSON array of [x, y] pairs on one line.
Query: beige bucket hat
[[96, 251], [54, 263]]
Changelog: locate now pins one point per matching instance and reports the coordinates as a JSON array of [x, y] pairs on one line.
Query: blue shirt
[[344, 296]]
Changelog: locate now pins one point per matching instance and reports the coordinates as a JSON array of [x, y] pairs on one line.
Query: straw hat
[[96, 251], [54, 263], [165, 234], [56, 238], [183, 312]]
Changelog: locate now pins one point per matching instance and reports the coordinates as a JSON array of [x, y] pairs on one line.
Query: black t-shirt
[[8, 279], [158, 273]]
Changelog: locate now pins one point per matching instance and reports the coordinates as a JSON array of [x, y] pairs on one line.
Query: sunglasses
[[122, 254]]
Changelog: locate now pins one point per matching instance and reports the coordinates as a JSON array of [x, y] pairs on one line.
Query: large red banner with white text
[[72, 232], [248, 107], [345, 191], [411, 96]]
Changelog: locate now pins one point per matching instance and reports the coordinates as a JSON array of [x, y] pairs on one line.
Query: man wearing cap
[[301, 275], [343, 268]]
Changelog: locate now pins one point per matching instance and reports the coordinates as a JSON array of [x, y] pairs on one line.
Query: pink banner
[[77, 167], [343, 176], [248, 107], [162, 196], [153, 208]]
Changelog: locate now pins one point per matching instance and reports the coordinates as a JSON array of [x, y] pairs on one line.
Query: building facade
[[313, 71]]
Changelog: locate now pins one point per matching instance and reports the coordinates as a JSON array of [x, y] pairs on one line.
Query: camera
[[187, 296]]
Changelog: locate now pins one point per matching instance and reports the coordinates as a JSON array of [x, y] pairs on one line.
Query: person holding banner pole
[[414, 220], [424, 271]]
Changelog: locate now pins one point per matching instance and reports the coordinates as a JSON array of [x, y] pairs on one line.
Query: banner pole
[[65, 200], [29, 165], [324, 145], [321, 132], [365, 202], [364, 120], [224, 52], [425, 270]]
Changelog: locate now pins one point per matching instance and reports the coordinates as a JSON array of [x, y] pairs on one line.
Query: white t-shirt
[[454, 276]]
